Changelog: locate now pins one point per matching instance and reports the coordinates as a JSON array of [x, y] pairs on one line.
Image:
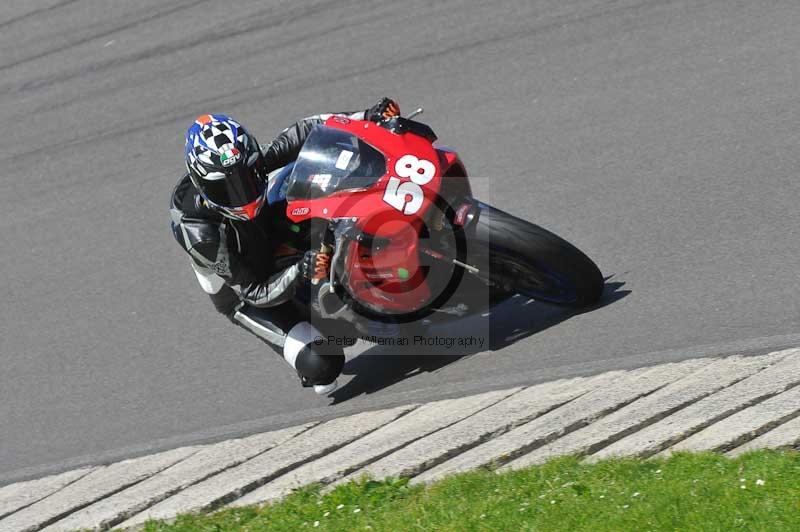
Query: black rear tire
[[522, 257]]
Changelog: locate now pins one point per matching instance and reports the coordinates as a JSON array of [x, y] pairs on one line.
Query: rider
[[220, 216]]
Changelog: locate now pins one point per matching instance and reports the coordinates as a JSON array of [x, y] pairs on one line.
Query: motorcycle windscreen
[[332, 160]]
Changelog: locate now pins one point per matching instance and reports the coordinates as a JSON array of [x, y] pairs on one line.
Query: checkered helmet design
[[226, 166]]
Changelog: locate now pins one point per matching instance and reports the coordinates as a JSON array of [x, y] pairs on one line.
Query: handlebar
[[418, 111]]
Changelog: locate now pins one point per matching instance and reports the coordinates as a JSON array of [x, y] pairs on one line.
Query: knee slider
[[226, 301]]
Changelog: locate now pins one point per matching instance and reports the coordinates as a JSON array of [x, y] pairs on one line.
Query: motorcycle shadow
[[505, 323]]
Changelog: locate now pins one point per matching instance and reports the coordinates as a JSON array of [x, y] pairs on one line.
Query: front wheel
[[522, 257]]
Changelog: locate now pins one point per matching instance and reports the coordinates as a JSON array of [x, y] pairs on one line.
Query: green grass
[[758, 491]]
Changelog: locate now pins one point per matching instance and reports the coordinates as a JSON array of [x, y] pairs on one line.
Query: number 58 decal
[[407, 197]]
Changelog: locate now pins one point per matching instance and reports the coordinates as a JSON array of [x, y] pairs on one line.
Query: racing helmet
[[226, 166]]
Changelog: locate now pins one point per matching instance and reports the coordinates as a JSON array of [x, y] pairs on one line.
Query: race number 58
[[407, 196]]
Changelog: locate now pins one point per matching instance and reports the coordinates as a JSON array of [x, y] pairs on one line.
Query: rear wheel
[[522, 257]]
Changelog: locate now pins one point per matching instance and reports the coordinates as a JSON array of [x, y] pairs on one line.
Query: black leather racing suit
[[248, 269]]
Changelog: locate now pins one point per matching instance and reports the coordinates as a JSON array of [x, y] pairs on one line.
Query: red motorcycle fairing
[[388, 278], [391, 279], [373, 202]]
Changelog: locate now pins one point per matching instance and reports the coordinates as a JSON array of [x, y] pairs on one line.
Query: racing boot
[[317, 362], [305, 348]]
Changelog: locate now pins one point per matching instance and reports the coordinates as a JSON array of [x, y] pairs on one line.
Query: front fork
[[462, 220]]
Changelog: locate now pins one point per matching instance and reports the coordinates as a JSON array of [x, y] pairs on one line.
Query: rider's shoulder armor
[[195, 227]]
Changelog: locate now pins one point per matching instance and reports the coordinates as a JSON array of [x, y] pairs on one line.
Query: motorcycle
[[396, 213]]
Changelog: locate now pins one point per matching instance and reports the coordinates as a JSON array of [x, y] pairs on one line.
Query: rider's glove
[[385, 109], [315, 265]]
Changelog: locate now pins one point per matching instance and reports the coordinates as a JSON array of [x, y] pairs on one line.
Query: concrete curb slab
[[652, 439], [100, 483], [497, 419], [424, 420], [782, 436], [22, 494], [626, 388], [235, 482], [706, 380], [744, 425], [205, 463]]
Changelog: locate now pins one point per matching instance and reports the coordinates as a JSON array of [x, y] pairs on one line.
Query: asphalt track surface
[[661, 137]]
